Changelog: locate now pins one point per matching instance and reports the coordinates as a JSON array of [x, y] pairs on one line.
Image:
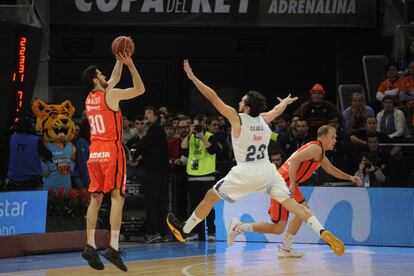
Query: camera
[[198, 129]]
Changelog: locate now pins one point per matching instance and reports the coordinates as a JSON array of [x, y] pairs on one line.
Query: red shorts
[[277, 212], [106, 167]]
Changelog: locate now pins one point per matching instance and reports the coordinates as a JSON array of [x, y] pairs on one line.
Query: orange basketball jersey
[[106, 124], [305, 169]]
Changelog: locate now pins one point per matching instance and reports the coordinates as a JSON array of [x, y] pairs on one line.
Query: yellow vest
[[200, 162]]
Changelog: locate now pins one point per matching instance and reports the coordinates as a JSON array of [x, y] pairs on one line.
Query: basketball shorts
[[277, 212], [246, 178], [106, 167]]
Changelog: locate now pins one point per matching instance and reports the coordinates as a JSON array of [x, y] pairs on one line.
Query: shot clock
[[19, 58], [19, 51]]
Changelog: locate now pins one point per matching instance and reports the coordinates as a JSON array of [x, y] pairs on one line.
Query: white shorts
[[247, 178]]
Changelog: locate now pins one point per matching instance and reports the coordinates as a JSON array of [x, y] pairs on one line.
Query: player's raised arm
[[278, 109], [132, 92], [225, 110], [116, 74]]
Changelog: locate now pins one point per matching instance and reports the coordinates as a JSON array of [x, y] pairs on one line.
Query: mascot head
[[54, 120]]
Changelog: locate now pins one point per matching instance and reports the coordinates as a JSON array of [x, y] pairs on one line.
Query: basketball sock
[[191, 223], [316, 226], [114, 239], [287, 243], [91, 238], [245, 227]]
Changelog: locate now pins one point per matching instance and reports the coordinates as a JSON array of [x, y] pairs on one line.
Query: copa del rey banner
[[225, 13]]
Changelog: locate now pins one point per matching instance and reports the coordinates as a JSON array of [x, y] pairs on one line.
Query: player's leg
[[229, 188], [90, 253], [92, 217], [115, 181], [305, 215], [237, 228], [180, 229], [115, 219], [278, 214], [286, 250], [281, 193]]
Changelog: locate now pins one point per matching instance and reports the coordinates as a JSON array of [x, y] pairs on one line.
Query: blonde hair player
[[250, 135], [299, 166], [107, 163]]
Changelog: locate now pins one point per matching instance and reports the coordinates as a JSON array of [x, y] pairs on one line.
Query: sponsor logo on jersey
[[257, 138], [93, 107], [99, 155]]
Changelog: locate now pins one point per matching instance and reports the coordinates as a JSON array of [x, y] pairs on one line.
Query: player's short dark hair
[[323, 130], [256, 102], [88, 75]]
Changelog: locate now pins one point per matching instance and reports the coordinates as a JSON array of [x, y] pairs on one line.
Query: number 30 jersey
[[251, 146], [106, 124]]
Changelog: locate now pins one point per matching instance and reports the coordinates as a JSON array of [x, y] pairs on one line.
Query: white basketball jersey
[[252, 144]]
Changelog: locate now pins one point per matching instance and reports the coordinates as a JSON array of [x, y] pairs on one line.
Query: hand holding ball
[[123, 44]]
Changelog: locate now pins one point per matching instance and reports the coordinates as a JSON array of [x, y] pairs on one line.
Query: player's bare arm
[[334, 171], [224, 109], [116, 74], [116, 95], [313, 152], [278, 109]]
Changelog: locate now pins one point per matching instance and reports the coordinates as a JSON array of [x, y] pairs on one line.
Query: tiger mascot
[[55, 122]]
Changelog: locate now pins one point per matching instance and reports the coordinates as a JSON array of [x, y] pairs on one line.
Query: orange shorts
[[106, 167], [277, 212]]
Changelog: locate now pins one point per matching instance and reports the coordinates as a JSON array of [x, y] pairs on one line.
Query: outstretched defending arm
[[278, 109], [225, 110], [334, 171]]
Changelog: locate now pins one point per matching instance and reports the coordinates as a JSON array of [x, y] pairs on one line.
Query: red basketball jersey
[[106, 124], [305, 169]]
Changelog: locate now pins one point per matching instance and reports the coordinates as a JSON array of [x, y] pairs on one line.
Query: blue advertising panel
[[360, 216], [23, 212]]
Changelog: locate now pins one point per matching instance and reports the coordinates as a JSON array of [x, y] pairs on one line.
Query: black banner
[[226, 13]]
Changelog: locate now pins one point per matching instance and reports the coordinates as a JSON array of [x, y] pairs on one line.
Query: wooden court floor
[[195, 258]]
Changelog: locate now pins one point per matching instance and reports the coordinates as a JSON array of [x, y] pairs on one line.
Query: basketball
[[123, 44]]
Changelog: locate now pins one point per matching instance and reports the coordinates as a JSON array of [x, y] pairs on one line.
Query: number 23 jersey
[[106, 124], [251, 146]]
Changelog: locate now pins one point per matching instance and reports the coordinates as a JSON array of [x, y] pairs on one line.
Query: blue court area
[[215, 258]]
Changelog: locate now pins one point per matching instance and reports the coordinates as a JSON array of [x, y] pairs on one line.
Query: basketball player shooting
[[254, 172], [106, 164], [299, 167]]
